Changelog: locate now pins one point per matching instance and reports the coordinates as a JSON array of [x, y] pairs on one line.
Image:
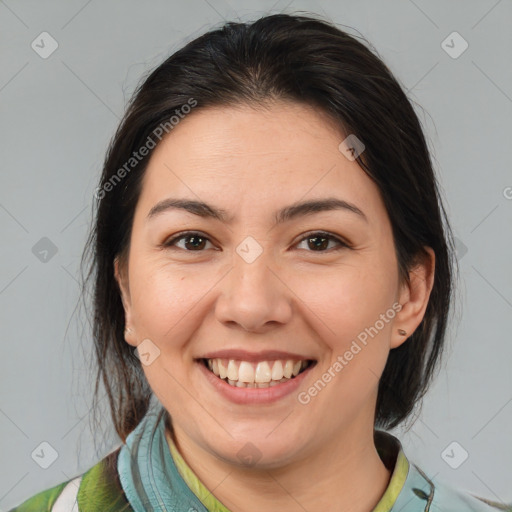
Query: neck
[[352, 475]]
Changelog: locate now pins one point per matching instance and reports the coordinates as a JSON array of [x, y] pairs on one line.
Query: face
[[227, 302]]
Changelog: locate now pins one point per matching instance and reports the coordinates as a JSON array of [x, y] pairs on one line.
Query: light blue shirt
[[152, 479]]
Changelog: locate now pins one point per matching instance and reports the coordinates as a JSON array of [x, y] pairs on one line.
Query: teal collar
[[151, 480], [147, 472]]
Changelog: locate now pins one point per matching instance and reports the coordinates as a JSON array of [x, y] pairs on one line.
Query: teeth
[[277, 371], [232, 370], [245, 372], [263, 373], [256, 375], [288, 369], [223, 369]]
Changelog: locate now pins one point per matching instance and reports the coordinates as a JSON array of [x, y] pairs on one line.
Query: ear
[[121, 276], [414, 296]]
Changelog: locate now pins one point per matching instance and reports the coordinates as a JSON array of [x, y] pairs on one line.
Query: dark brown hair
[[278, 57]]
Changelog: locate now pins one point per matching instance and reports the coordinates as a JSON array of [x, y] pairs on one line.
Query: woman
[[271, 262]]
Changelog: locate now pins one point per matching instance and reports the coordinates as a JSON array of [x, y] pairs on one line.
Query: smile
[[261, 374]]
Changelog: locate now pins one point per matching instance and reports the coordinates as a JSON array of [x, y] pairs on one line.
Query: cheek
[[162, 299], [345, 310], [345, 300], [164, 305]]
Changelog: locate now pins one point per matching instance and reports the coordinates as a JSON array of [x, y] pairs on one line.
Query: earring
[[127, 330], [402, 332]]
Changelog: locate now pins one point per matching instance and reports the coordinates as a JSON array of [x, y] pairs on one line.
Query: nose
[[254, 296]]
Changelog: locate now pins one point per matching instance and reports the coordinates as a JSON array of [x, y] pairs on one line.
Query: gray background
[[57, 116]]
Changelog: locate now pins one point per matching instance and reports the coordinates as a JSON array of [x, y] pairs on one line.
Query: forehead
[[245, 157]]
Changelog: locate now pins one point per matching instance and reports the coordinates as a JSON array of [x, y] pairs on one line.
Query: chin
[[258, 451]]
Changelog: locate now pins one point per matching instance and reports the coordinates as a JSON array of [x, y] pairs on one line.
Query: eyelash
[[321, 234]]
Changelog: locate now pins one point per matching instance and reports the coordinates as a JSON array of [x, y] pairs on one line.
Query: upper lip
[[244, 355]]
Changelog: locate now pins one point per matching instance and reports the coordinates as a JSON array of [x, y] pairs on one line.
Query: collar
[[154, 475], [147, 472]]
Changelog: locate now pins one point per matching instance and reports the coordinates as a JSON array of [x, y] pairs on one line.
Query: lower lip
[[253, 395]]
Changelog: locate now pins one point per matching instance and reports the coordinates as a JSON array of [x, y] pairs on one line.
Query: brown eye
[[194, 242], [319, 241], [316, 242]]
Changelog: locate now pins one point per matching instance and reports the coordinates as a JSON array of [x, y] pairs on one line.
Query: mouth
[[260, 374]]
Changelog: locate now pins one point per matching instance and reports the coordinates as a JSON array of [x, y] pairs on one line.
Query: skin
[[251, 162]]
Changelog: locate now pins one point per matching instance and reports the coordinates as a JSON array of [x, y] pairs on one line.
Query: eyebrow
[[287, 213]]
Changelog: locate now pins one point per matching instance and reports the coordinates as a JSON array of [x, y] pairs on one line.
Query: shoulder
[[449, 497], [445, 497], [96, 489], [42, 501]]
